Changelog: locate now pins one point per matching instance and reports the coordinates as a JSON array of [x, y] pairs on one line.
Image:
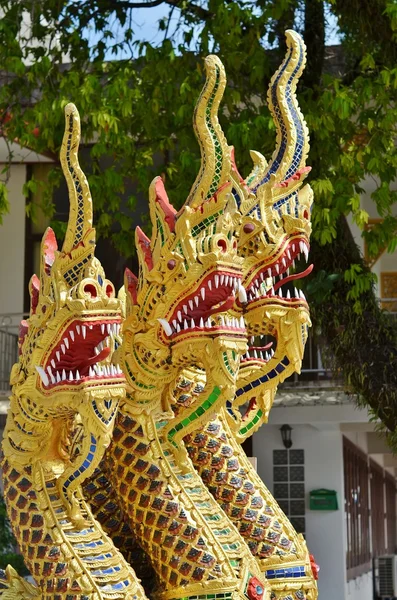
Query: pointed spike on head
[[23, 330], [131, 285], [34, 292], [234, 166], [159, 197], [143, 248], [49, 247]]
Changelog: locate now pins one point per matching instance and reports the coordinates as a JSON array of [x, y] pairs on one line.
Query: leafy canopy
[[137, 97]]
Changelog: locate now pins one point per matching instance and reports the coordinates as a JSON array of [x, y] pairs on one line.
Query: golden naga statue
[[170, 484]]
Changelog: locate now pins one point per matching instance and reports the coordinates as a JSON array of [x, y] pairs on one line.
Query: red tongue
[[97, 358], [295, 276], [269, 345]]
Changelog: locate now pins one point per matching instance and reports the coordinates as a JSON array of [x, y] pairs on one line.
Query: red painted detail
[[222, 245], [171, 264], [165, 205], [144, 244], [34, 290], [110, 291], [131, 283], [255, 589], [50, 246], [234, 166], [305, 214], [23, 329], [248, 228], [295, 177], [90, 289], [315, 567]]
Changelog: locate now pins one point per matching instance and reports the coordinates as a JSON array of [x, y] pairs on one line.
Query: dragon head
[[189, 276], [65, 361], [274, 236]]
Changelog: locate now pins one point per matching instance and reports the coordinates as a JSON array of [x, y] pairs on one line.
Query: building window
[[388, 291], [377, 510], [358, 558], [390, 492], [289, 485]]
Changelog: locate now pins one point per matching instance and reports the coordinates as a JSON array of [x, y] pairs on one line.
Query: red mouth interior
[[77, 355], [216, 294], [278, 271]]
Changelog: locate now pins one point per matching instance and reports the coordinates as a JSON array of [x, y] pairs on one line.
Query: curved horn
[[215, 159], [292, 134], [80, 211]]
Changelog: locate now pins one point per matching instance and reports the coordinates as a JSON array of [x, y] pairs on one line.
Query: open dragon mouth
[[216, 294], [269, 280], [260, 349], [76, 359]]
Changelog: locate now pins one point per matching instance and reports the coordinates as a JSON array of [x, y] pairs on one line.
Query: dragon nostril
[[222, 245], [110, 291], [305, 214], [90, 289], [234, 245]]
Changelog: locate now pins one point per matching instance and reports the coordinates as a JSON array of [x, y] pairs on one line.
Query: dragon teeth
[[202, 292], [58, 377], [242, 295], [63, 349], [216, 281], [166, 326], [184, 308], [53, 363], [91, 372], [43, 375], [71, 333], [179, 315], [196, 300], [84, 330], [209, 285], [63, 375], [66, 342], [191, 305]]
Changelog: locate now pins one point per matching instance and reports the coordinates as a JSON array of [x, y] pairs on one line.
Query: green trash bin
[[323, 500]]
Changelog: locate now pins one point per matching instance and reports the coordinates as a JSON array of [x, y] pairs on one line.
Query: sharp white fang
[[84, 330], [64, 375], [209, 285], [296, 293], [196, 300], [208, 323], [216, 281], [277, 268], [288, 254], [58, 377], [242, 294], [102, 328], [71, 376], [222, 279], [53, 363], [293, 247], [255, 354], [185, 325], [174, 322], [78, 376], [283, 262], [301, 246], [43, 375], [280, 293], [293, 264], [257, 295], [49, 371], [191, 304], [192, 323], [91, 372], [288, 295], [306, 253], [201, 323], [302, 295], [58, 355], [179, 315], [184, 308], [66, 342], [71, 333], [269, 272], [222, 321], [78, 329], [166, 326], [267, 356], [63, 349], [108, 327], [226, 280], [242, 323], [202, 292], [178, 328]]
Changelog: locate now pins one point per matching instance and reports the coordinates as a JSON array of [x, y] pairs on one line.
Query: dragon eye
[[171, 264], [248, 228], [110, 291], [222, 245]]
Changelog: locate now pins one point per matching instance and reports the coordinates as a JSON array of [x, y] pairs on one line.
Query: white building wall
[[12, 245], [325, 530]]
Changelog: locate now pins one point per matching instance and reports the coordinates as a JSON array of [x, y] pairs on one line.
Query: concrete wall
[[12, 245]]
